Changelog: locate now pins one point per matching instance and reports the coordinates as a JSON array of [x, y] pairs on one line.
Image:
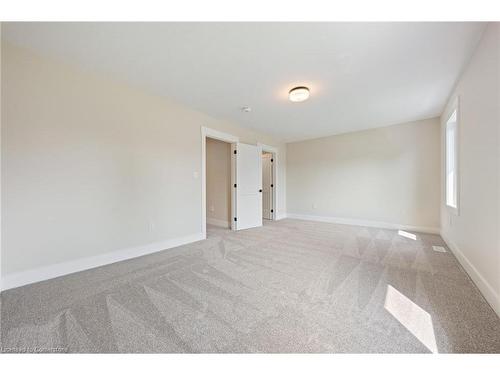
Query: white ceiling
[[361, 75]]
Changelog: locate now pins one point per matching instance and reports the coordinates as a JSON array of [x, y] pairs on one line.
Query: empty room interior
[[326, 187]]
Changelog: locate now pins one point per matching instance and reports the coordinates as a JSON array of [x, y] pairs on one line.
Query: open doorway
[[218, 183], [240, 172], [268, 185], [228, 140]]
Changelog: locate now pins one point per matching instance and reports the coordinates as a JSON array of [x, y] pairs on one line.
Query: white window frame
[[454, 128]]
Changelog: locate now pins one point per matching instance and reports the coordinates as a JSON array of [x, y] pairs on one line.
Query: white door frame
[[274, 166], [225, 137]]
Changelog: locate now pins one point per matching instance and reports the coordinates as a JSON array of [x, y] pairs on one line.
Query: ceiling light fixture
[[298, 94]]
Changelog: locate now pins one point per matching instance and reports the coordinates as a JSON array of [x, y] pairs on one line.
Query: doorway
[[267, 185], [245, 183], [208, 134], [218, 183]]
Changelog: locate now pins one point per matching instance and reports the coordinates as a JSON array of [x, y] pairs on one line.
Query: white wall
[[385, 177], [474, 233], [218, 172], [91, 165]]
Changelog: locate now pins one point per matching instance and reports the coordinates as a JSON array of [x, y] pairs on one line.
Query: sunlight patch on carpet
[[411, 236], [413, 317]]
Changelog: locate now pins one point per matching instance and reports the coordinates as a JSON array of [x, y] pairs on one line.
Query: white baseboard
[[217, 222], [280, 216], [364, 223], [15, 280], [485, 288]]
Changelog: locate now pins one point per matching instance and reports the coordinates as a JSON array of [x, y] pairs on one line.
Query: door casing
[[232, 139]]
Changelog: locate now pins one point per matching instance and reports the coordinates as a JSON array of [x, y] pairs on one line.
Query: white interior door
[[267, 180], [248, 163]]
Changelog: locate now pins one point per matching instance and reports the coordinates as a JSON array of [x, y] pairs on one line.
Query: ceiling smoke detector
[[298, 94], [246, 109]]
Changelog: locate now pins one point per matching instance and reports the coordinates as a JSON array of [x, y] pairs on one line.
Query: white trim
[[60, 269], [267, 148], [484, 287], [217, 222], [281, 216], [234, 147], [364, 223], [221, 136], [454, 107], [274, 151], [271, 215]]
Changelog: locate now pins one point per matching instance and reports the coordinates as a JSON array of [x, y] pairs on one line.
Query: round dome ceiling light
[[298, 94]]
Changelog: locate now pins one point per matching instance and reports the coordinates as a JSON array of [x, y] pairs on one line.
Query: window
[[452, 161]]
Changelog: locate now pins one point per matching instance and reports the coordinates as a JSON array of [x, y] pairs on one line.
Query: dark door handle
[[260, 190]]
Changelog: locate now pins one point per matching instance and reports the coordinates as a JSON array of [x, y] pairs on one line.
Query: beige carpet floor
[[291, 286]]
